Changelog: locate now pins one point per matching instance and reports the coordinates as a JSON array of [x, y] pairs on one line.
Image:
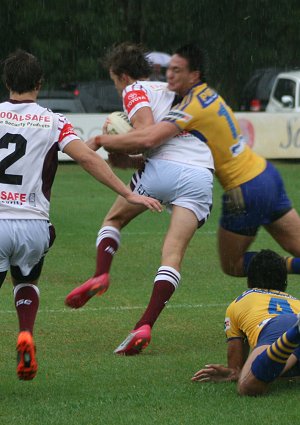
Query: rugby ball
[[118, 123]]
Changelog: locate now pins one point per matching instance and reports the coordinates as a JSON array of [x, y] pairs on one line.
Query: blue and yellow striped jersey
[[206, 115], [248, 313]]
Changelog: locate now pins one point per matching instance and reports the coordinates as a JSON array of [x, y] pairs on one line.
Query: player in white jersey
[[30, 137], [179, 173]]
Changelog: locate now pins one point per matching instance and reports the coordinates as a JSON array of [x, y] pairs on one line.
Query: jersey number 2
[[19, 151]]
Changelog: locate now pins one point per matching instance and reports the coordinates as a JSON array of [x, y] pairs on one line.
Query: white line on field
[[117, 308]]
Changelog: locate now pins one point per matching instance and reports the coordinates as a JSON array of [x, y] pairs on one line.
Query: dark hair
[[128, 58], [267, 270], [196, 57], [22, 72]]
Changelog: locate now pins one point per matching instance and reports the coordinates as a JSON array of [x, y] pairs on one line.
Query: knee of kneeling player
[[251, 389]]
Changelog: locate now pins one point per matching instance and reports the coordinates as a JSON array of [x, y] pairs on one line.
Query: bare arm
[[220, 373], [98, 168], [139, 140], [141, 119]]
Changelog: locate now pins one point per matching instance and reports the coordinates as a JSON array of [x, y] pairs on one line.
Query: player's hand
[[94, 143], [104, 128], [152, 204], [216, 373]]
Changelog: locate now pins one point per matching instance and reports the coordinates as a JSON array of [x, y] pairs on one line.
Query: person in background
[[266, 319], [30, 137], [157, 73]]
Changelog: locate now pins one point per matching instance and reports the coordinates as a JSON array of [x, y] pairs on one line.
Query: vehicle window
[[62, 105], [285, 87], [265, 85]]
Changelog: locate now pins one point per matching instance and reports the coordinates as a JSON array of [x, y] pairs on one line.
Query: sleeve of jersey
[[182, 115], [66, 133], [134, 100], [230, 325]]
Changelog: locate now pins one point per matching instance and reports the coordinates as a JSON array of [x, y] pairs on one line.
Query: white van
[[285, 94]]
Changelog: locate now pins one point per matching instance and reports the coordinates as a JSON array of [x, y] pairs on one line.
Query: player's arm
[[98, 168], [220, 373], [142, 118], [139, 140]]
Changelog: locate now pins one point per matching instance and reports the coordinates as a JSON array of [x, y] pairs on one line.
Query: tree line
[[70, 37]]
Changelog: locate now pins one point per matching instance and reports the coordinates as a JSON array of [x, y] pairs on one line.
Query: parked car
[[97, 96], [256, 92], [285, 94], [60, 101]]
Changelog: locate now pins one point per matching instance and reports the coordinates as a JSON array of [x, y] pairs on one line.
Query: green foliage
[[80, 381], [71, 37]]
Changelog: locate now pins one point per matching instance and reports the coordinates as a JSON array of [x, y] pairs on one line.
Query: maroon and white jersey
[[184, 148], [30, 137]]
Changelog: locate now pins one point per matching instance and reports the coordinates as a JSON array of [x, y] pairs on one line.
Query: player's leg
[[108, 239], [182, 228], [286, 231], [268, 362], [107, 244], [284, 222], [26, 296], [248, 384], [189, 191], [32, 240], [233, 253]]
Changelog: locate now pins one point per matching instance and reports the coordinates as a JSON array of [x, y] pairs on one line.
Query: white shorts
[[23, 243], [174, 183]]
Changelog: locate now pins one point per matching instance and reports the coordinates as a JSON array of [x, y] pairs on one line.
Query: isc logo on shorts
[[22, 301], [141, 191]]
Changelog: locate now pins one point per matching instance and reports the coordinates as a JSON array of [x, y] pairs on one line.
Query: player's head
[[267, 270], [22, 72], [125, 62], [188, 66]]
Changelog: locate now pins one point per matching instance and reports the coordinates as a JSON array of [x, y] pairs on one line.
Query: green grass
[[79, 380]]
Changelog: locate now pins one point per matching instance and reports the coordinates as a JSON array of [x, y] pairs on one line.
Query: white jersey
[[185, 148], [30, 137]]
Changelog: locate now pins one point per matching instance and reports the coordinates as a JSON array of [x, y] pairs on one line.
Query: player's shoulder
[[146, 86]]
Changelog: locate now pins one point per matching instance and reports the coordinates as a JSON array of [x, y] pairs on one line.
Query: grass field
[[80, 381]]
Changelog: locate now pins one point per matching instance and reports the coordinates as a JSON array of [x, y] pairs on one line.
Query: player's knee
[[251, 389], [232, 269]]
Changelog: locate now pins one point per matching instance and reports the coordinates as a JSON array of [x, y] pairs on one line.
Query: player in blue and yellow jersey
[[254, 193], [265, 319]]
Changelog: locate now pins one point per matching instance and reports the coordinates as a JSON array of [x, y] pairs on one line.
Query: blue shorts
[[275, 328], [255, 203]]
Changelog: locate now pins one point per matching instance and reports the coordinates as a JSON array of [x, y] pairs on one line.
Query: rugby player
[[179, 173], [254, 192], [265, 319], [30, 137]]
